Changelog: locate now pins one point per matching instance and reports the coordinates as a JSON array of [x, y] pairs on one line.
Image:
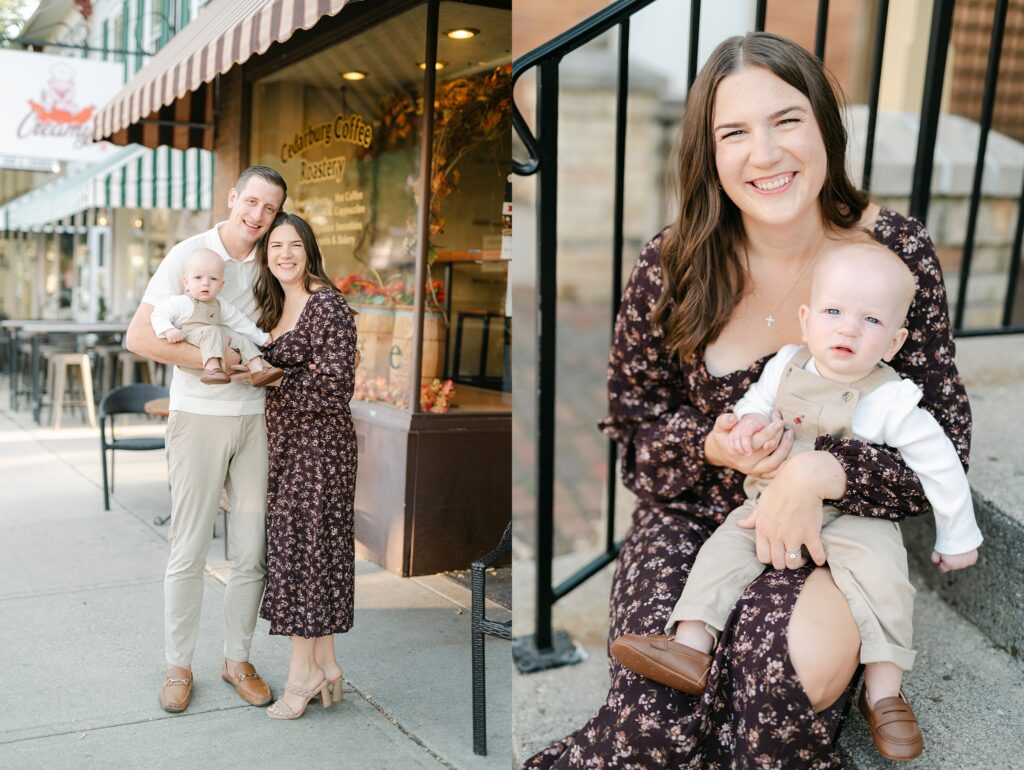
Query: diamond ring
[[792, 554]]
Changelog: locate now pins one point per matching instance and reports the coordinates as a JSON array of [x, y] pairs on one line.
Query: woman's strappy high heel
[[336, 688], [281, 710]]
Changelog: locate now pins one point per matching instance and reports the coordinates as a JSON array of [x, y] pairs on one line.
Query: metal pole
[[821, 30], [987, 106], [694, 37], [760, 15], [1011, 287], [877, 55], [938, 47], [423, 222], [547, 287], [619, 215]]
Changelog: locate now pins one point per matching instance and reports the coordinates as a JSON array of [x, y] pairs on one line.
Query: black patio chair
[[480, 626], [129, 399]]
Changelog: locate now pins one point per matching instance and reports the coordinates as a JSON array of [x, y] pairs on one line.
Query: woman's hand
[[770, 447], [788, 513]]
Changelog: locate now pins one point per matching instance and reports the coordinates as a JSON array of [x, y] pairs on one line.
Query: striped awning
[[135, 177], [169, 101]]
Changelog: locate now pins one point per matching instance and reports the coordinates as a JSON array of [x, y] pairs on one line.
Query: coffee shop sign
[[352, 129]]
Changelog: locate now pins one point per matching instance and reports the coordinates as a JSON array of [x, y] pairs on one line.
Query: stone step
[[991, 593], [967, 693]]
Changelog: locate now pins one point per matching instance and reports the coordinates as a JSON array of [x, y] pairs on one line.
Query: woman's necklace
[[770, 318]]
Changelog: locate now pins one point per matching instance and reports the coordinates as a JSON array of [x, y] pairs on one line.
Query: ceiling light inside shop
[[101, 221], [55, 168], [353, 75], [462, 33], [438, 65], [137, 224]]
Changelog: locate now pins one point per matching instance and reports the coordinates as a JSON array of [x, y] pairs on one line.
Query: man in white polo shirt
[[216, 438]]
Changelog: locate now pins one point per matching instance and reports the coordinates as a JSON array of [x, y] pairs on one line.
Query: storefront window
[[344, 128]]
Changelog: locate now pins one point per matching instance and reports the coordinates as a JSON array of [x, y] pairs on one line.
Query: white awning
[[135, 177]]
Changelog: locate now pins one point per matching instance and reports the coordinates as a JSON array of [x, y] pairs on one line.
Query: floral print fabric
[[754, 713], [311, 487]]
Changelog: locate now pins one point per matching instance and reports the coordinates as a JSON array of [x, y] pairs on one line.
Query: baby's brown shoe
[[663, 660], [215, 377], [266, 376], [894, 729]]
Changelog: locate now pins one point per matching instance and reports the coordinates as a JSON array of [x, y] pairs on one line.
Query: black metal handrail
[[546, 648]]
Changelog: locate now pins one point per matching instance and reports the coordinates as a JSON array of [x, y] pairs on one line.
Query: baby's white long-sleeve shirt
[[174, 311], [890, 415]]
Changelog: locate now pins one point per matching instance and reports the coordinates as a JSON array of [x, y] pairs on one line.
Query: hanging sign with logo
[[49, 104]]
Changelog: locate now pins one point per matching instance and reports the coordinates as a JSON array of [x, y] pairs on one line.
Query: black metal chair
[[482, 625], [129, 399]]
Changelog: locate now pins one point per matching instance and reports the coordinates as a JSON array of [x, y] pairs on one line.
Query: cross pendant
[[769, 320]]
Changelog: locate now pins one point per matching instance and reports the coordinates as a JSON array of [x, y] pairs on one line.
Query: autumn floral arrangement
[[360, 290], [468, 112], [435, 397], [402, 294]]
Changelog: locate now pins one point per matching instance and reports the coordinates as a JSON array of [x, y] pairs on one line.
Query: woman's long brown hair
[[268, 292], [700, 253]]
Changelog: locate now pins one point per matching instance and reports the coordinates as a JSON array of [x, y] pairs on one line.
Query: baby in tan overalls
[[837, 385], [200, 318]]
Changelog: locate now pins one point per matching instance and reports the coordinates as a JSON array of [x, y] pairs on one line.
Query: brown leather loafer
[[894, 729], [214, 377], [266, 376], [176, 691], [666, 662], [250, 687]]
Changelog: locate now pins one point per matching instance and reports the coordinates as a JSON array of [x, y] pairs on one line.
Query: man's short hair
[[267, 174]]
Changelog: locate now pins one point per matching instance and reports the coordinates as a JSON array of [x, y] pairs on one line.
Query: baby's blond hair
[[204, 257], [869, 255]]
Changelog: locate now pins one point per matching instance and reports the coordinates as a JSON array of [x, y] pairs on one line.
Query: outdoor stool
[[106, 366], [127, 363], [129, 399], [59, 365], [480, 626], [22, 383]]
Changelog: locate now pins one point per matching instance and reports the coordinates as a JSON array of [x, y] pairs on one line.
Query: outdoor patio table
[[35, 331]]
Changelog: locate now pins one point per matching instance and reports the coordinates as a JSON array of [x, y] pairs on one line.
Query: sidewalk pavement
[[81, 642]]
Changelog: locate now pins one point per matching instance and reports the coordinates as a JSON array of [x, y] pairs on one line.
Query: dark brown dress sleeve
[[878, 482], [659, 432], [328, 386]]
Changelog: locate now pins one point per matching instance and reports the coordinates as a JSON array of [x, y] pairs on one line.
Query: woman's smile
[[770, 185]]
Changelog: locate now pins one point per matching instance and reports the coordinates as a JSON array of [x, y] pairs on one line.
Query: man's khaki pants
[[205, 453]]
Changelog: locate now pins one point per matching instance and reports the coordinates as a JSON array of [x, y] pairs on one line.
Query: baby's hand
[[945, 562], [740, 436], [174, 335]]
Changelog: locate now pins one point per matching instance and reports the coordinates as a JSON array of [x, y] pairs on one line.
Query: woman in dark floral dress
[[709, 301], [312, 448]]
